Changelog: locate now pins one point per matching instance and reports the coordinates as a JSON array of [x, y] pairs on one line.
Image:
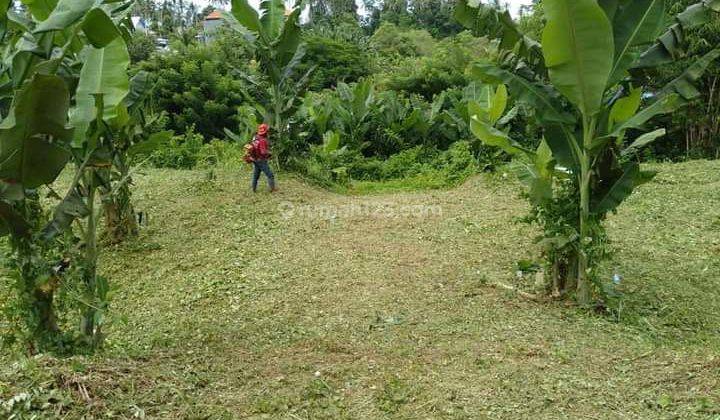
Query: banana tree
[[42, 49], [97, 117], [130, 131], [590, 109], [276, 36]]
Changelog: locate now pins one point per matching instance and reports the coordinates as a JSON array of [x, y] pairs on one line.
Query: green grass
[[226, 309], [427, 181]]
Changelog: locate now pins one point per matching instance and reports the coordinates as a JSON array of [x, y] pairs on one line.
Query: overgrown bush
[[458, 162], [374, 123], [334, 60], [199, 85], [391, 40], [180, 152], [189, 151], [141, 47], [375, 136], [436, 168], [221, 154], [443, 68]]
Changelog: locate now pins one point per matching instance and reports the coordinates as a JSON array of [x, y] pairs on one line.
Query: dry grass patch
[[225, 308]]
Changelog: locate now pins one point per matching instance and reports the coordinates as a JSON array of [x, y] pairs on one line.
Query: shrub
[[368, 169], [407, 163], [221, 154], [384, 124], [197, 87], [391, 40], [442, 69], [421, 166], [458, 162], [181, 152], [335, 60], [189, 151], [141, 47], [328, 167]]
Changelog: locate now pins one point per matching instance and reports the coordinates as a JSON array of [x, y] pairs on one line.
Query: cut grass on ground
[[312, 305]]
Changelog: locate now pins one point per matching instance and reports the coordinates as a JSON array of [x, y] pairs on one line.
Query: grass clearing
[[224, 308]]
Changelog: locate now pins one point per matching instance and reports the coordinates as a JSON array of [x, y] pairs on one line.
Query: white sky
[[514, 5]]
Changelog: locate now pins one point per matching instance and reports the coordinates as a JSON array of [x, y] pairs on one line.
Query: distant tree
[[391, 39], [335, 60], [197, 85], [324, 10], [436, 16], [168, 17], [387, 11], [531, 20], [141, 47], [444, 68], [342, 28]]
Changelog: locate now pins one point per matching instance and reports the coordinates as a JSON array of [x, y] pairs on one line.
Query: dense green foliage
[[695, 132], [334, 61], [405, 52], [73, 107], [198, 86], [444, 67], [324, 11], [588, 54], [434, 16], [358, 130], [141, 47], [393, 40], [206, 89], [414, 53]]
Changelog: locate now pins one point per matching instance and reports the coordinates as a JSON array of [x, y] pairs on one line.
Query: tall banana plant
[[99, 110], [131, 131], [590, 109], [277, 38], [56, 116]]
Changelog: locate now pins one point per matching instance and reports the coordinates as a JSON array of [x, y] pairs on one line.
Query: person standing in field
[[258, 153]]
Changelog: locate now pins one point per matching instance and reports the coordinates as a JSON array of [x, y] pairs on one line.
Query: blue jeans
[[262, 166]]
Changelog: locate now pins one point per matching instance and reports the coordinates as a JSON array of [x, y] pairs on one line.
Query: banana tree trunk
[[583, 282], [563, 273], [88, 327], [584, 290], [41, 298], [44, 299], [120, 221], [37, 298]]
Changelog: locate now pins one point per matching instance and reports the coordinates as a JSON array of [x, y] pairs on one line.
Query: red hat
[[263, 129]]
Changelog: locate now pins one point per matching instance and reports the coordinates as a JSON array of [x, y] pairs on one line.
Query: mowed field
[[313, 305]]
